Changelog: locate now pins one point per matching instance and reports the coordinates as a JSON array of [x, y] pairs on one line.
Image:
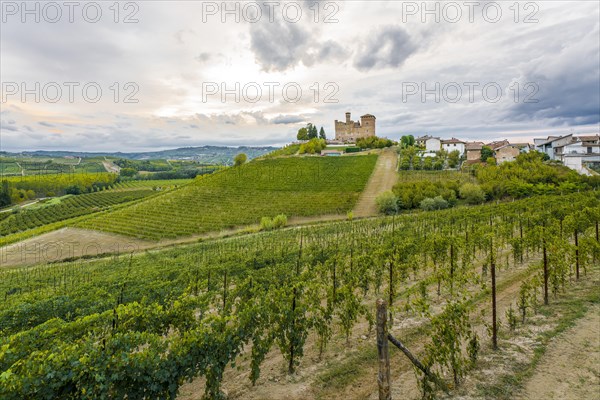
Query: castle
[[350, 131]]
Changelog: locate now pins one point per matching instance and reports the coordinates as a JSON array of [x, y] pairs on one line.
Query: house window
[[589, 150]]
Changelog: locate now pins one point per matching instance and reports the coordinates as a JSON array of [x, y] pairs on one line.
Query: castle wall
[[351, 131]]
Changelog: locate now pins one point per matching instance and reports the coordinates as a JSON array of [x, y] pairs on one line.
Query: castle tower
[[348, 117], [367, 125]]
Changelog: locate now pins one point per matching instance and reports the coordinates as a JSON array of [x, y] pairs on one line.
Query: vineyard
[[56, 184], [69, 207], [161, 184], [141, 326], [243, 195]]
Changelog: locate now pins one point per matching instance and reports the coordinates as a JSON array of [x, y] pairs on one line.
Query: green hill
[[240, 196]]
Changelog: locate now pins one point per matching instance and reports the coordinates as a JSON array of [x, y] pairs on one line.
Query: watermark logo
[[471, 11], [455, 92], [253, 92], [271, 11], [54, 92], [71, 11]]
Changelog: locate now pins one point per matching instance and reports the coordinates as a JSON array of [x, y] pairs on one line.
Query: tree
[[373, 142], [453, 158], [428, 163], [436, 203], [407, 140], [126, 172], [302, 134], [240, 159], [472, 193], [312, 131], [387, 203], [486, 152], [75, 189], [322, 134], [5, 194]]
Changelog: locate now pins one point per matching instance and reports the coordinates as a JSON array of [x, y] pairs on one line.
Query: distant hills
[[208, 154]]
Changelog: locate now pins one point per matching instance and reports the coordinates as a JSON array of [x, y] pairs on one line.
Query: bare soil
[[570, 368]]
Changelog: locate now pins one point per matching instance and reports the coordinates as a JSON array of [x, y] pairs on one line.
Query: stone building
[[507, 153], [474, 151], [350, 131]]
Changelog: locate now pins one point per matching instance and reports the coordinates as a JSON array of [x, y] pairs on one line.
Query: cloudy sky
[[157, 74]]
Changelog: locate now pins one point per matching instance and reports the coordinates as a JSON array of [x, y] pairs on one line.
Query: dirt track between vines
[[383, 178], [570, 368]]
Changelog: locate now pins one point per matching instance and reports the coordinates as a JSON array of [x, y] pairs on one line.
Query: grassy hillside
[[241, 196]]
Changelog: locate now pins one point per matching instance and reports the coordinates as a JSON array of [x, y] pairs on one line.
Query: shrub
[[266, 224], [387, 203], [280, 221], [436, 203], [240, 159], [312, 146], [73, 189], [472, 193]]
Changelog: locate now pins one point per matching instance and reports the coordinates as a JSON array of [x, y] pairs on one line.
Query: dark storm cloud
[[278, 45], [388, 47], [568, 92]]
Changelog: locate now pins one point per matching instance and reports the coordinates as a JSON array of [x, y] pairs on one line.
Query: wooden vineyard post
[[545, 273], [383, 379], [576, 254], [494, 324]]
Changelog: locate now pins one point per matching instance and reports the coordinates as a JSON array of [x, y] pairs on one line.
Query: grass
[[241, 196]]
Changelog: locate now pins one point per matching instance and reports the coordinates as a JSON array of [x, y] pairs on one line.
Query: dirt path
[[570, 368], [383, 178], [111, 167]]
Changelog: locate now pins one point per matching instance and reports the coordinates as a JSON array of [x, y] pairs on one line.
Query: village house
[[473, 150], [524, 147], [454, 144], [421, 140], [432, 146], [497, 144], [553, 145], [574, 152], [508, 152]]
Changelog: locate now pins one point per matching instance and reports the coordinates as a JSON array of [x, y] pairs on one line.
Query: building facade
[[350, 131], [507, 153], [473, 150], [454, 144]]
